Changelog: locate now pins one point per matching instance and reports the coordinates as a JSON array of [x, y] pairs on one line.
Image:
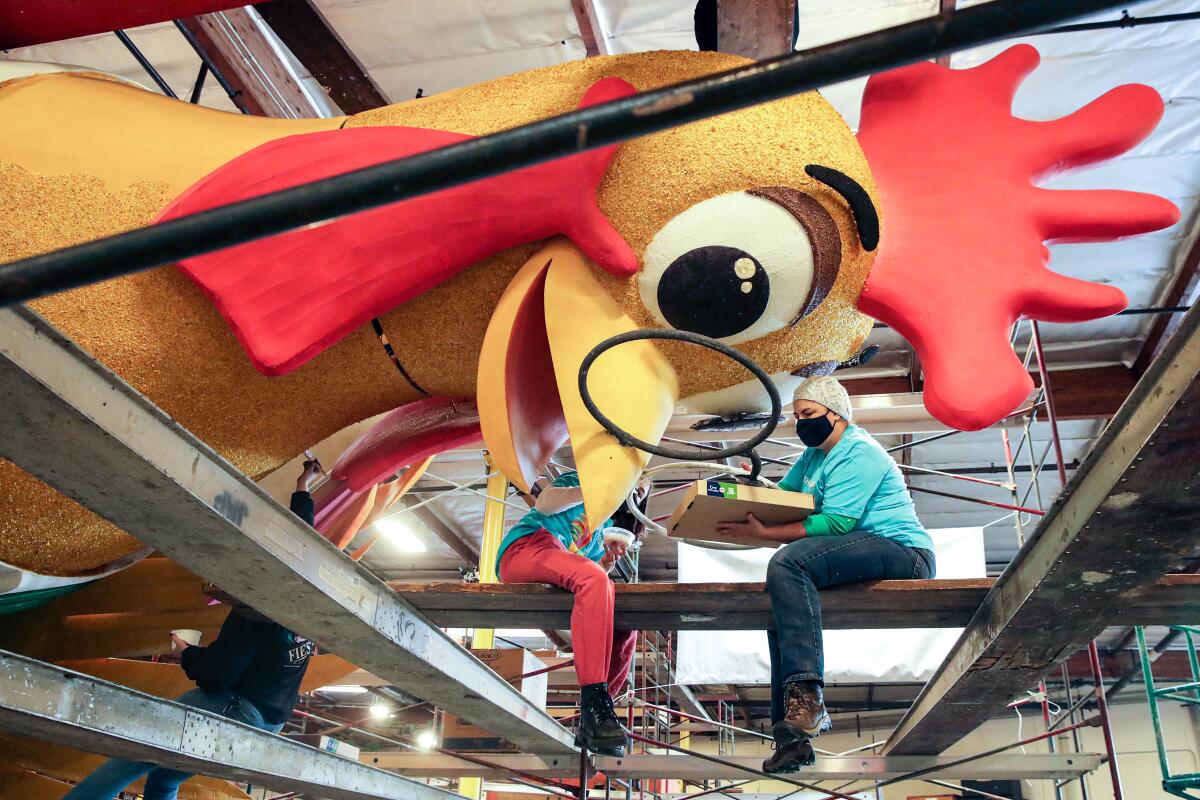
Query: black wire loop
[[627, 439]]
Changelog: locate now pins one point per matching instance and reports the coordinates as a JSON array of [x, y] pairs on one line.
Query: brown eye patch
[[822, 234]]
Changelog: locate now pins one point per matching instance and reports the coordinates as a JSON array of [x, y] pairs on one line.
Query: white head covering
[[828, 392]]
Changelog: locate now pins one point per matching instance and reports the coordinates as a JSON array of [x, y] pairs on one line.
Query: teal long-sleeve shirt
[[828, 525]]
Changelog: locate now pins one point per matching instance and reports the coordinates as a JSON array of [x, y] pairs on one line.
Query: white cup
[[189, 635], [618, 535]]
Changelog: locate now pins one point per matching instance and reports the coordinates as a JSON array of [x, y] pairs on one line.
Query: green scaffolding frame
[[1178, 785]]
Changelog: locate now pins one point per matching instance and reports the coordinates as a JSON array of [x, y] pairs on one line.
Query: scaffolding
[[1184, 784]]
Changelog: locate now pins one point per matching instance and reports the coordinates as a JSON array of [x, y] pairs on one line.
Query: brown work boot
[[804, 713], [790, 757]]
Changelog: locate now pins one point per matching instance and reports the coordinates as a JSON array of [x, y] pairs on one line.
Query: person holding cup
[[250, 673], [552, 544]]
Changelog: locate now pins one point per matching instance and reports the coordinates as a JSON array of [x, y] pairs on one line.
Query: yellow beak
[[552, 313]]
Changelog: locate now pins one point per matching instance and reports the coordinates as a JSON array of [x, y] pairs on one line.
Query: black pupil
[[715, 290]]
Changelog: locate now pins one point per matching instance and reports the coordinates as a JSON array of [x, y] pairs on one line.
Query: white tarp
[[858, 656]]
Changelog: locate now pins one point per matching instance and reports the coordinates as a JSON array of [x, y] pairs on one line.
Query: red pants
[[602, 655]]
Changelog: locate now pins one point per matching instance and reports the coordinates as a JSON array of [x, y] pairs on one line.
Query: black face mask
[[814, 430]]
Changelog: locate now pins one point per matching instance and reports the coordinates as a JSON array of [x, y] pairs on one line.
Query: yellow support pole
[[493, 532]]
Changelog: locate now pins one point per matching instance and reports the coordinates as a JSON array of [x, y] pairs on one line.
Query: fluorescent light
[[336, 689], [401, 536], [381, 711], [426, 739]]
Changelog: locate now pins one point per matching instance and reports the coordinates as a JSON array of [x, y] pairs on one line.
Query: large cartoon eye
[[741, 265]]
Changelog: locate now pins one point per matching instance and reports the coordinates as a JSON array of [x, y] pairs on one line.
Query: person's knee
[[592, 579], [787, 561]]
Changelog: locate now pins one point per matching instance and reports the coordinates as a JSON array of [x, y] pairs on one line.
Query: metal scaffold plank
[[1004, 766], [1131, 510], [56, 705], [75, 425], [445, 765]]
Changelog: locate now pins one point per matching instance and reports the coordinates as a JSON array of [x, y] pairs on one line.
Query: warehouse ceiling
[[424, 48]]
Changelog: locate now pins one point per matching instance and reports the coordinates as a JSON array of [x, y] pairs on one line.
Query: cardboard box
[[708, 502], [507, 663]]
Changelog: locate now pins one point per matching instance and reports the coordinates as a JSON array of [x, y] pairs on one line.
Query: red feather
[[290, 296], [962, 254]]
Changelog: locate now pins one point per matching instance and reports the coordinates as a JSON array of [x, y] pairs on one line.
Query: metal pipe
[[1126, 21], [198, 86], [1052, 418], [673, 712], [1106, 724], [1066, 678], [714, 790], [956, 476], [705, 757], [563, 135], [145, 62], [992, 503], [1090, 723], [543, 670], [200, 52]]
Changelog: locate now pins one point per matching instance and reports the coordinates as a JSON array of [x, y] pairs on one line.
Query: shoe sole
[[785, 732], [604, 748]]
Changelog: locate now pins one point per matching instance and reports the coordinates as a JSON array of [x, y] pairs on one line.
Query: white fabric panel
[[873, 656], [162, 44], [444, 45]]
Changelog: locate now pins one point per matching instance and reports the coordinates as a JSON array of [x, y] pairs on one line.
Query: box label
[[720, 489]]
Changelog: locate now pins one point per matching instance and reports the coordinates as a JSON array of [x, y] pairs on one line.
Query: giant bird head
[[757, 227]]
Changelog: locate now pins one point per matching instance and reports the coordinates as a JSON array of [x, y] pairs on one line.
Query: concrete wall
[[1137, 758]]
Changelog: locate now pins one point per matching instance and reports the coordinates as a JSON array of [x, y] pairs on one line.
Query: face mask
[[814, 431]]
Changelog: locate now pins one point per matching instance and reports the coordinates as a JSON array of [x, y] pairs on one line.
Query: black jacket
[[254, 658]]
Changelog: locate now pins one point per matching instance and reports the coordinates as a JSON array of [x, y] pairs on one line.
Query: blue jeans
[[798, 570], [163, 784]]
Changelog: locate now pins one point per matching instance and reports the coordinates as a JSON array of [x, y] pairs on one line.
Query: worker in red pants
[[551, 544]]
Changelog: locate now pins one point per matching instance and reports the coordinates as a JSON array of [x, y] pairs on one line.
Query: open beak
[[552, 313]]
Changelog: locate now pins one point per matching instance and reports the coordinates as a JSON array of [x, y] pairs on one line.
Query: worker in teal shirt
[[552, 544], [865, 529]]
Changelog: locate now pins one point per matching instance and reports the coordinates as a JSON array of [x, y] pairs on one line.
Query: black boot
[[599, 729], [790, 757], [804, 713]]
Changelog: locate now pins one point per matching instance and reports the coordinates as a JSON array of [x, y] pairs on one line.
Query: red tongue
[[408, 435], [535, 412]]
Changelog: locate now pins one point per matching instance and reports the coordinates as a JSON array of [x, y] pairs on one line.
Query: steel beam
[[75, 425], [1130, 512], [56, 705], [859, 767]]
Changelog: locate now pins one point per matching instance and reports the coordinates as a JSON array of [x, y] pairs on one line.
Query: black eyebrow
[[866, 218]]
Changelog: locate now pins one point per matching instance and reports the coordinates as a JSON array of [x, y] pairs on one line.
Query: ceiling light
[[426, 739], [381, 711], [402, 537], [336, 689]]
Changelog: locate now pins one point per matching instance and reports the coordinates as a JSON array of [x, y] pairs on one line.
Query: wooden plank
[[589, 27], [745, 606], [312, 40], [237, 47], [1130, 512], [756, 29]]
